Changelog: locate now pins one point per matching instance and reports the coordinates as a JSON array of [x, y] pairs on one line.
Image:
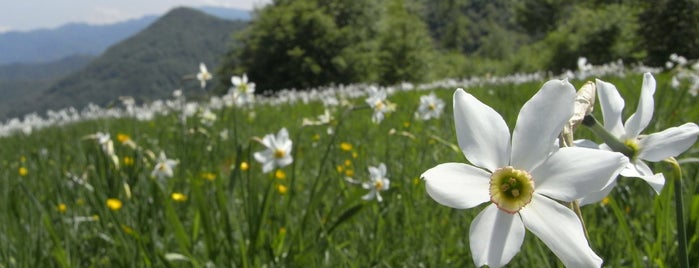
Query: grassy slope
[[241, 219]]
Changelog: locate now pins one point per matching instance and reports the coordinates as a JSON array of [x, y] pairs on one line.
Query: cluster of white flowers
[[242, 94]]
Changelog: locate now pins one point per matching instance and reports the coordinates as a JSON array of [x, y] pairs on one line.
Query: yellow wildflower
[[348, 162], [208, 176], [114, 204], [23, 171], [178, 197], [122, 138], [279, 174], [61, 207], [128, 161], [244, 166], [349, 173], [346, 146], [282, 189]]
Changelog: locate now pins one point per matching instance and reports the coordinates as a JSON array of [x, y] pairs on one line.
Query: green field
[[54, 187]]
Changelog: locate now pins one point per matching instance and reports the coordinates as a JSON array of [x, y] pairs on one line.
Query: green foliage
[[405, 47], [300, 44], [601, 34], [669, 26]]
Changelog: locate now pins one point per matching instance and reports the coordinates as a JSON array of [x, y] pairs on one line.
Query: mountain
[[147, 66], [48, 45], [226, 13], [22, 83]]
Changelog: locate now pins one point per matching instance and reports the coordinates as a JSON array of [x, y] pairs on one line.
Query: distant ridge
[[46, 45], [148, 65]]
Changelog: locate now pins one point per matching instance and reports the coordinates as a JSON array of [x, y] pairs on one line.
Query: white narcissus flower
[[164, 167], [278, 152], [377, 101], [203, 75], [378, 182], [524, 178], [639, 148], [242, 91], [430, 107]]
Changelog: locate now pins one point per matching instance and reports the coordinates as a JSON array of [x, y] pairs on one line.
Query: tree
[[307, 43], [669, 26], [405, 46]]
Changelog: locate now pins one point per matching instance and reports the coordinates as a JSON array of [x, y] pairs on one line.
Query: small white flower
[[653, 147], [164, 167], [203, 75], [430, 107], [278, 152], [242, 91], [377, 183], [207, 117], [377, 101]]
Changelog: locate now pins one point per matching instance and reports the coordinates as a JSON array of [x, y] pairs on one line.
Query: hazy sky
[[22, 15]]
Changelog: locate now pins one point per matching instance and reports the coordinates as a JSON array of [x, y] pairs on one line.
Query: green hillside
[[148, 65]]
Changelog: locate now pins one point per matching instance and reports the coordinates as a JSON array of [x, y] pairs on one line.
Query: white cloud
[[4, 29]]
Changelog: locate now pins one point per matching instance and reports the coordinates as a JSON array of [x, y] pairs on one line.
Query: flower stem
[[615, 144], [679, 213]]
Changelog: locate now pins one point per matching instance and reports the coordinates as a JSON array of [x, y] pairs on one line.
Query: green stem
[[613, 142], [679, 213]]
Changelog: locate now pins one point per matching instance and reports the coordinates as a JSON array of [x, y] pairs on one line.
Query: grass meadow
[[65, 203]]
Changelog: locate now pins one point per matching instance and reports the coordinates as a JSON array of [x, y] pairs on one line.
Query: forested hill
[[149, 65]]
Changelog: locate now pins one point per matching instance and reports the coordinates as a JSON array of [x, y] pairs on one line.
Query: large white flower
[[639, 148], [523, 178], [278, 152], [430, 107], [377, 183], [242, 91], [164, 167], [203, 75]]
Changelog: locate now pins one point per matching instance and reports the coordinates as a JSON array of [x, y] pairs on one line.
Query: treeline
[[306, 43]]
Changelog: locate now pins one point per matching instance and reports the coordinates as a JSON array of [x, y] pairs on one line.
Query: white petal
[[586, 144], [638, 121], [481, 132], [235, 80], [539, 123], [560, 229], [612, 105], [574, 172], [638, 169], [457, 185], [495, 237], [668, 143], [597, 196]]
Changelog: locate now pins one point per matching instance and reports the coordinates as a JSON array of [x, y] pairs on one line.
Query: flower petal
[[457, 185], [495, 237], [638, 121], [539, 123], [481, 132], [612, 105], [597, 196], [638, 169], [668, 143], [560, 229], [574, 172]]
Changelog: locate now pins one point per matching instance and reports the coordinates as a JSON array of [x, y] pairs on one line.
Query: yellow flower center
[[378, 185], [379, 105], [511, 189], [279, 153], [633, 145], [432, 107]]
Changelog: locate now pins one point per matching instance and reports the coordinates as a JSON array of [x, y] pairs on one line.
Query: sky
[[24, 15]]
